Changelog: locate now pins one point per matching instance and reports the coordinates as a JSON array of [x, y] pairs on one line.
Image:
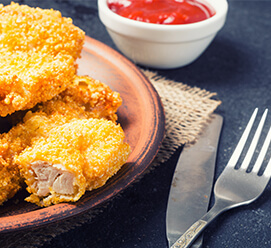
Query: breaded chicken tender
[[85, 98], [77, 156], [13, 143], [26, 80], [10, 182], [38, 52]]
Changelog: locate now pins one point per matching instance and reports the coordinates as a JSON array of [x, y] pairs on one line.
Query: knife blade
[[192, 182]]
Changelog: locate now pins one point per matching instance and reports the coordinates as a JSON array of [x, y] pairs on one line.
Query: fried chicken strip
[[38, 52], [85, 98], [77, 156]]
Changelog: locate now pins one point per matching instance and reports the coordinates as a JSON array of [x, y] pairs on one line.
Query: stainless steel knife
[[192, 182]]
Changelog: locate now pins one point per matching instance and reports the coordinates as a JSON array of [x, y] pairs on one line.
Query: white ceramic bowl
[[162, 46]]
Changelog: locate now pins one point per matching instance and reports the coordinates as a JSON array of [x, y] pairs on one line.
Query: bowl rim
[[220, 11], [138, 29]]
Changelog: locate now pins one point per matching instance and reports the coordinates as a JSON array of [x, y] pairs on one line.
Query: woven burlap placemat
[[187, 110]]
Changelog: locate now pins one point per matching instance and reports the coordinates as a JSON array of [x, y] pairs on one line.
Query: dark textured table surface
[[237, 66]]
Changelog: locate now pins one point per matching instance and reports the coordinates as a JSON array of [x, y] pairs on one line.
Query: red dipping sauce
[[162, 11]]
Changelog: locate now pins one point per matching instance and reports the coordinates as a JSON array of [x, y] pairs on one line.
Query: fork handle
[[196, 229]]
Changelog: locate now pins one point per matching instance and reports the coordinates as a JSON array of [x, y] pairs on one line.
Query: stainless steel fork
[[235, 186]]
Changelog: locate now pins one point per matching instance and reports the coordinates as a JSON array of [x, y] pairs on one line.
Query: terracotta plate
[[142, 119]]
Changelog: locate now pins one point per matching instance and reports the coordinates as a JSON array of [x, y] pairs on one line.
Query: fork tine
[[254, 142], [263, 151], [239, 148], [267, 171]]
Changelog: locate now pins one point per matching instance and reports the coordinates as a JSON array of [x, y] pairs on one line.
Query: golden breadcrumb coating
[[38, 52], [10, 183], [27, 80], [11, 143], [92, 150], [25, 29], [85, 98]]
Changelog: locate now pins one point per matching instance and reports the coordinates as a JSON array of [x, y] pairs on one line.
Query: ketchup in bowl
[[162, 11]]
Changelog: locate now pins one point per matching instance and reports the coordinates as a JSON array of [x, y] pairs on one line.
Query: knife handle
[[191, 234], [195, 230]]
